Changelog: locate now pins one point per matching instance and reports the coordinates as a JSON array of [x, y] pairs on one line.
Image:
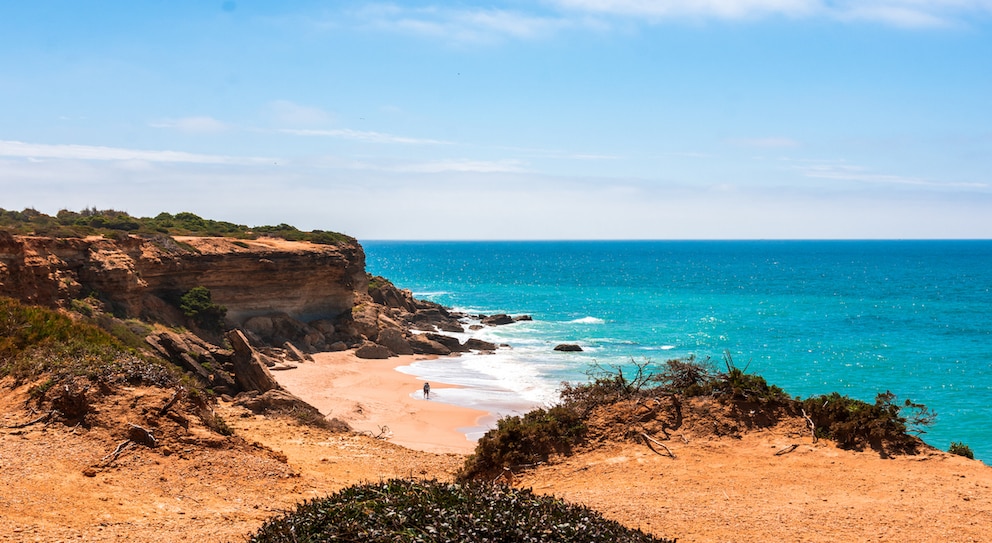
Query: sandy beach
[[371, 395]]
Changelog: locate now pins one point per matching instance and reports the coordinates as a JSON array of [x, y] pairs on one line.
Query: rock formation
[[140, 277]]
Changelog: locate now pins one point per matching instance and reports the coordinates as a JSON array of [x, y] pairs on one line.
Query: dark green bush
[[856, 424], [533, 438], [400, 511], [198, 305], [961, 449], [523, 441]]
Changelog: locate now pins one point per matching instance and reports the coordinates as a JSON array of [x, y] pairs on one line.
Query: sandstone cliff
[[138, 277]]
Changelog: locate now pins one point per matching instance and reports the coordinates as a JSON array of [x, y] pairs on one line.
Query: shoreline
[[372, 394]]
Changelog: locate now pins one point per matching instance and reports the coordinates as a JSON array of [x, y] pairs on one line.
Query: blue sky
[[580, 119]]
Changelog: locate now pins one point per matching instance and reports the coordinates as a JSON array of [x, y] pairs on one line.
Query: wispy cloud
[[464, 165], [764, 143], [659, 9], [863, 175], [192, 125], [286, 112], [362, 135], [496, 24], [93, 152], [903, 13], [464, 24]]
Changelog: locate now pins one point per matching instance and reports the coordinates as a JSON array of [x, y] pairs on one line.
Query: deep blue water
[[857, 317]]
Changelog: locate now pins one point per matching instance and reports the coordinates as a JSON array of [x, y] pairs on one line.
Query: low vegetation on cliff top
[[37, 342], [110, 223], [658, 402], [72, 366]]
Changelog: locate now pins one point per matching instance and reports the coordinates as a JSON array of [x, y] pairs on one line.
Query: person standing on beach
[[427, 391]]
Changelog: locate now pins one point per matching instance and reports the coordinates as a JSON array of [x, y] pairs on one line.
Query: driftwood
[[648, 440], [43, 418], [787, 450]]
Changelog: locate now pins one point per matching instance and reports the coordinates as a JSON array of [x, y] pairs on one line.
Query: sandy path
[[370, 394]]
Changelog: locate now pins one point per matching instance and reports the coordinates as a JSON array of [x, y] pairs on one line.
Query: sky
[[555, 119]]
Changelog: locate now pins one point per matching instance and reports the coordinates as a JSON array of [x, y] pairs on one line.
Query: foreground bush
[[400, 511]]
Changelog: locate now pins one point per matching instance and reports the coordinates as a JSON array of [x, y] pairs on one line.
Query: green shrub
[[37, 342], [524, 441], [111, 223], [856, 424], [198, 305], [961, 449], [400, 511]]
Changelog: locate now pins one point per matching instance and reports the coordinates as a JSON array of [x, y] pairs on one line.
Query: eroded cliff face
[[138, 276]]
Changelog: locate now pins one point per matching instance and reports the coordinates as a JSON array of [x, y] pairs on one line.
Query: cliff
[[139, 277]]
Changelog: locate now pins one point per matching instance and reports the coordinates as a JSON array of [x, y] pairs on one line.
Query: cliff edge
[[142, 277]]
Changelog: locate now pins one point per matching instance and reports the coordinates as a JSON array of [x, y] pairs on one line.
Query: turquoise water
[[857, 317]]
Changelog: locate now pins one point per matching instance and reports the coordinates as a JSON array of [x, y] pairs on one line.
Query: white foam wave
[[588, 320]]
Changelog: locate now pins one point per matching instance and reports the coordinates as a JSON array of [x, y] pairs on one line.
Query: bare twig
[[812, 427], [43, 418], [168, 405], [117, 452], [787, 450], [648, 440], [141, 436]]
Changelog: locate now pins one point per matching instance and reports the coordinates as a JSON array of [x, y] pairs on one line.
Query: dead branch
[[117, 452], [384, 433], [812, 427], [648, 440], [787, 450], [141, 436], [168, 405], [43, 418], [684, 439]]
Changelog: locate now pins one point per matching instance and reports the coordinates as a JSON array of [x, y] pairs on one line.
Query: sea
[[856, 317]]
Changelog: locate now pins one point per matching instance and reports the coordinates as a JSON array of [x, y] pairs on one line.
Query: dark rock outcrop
[[249, 371], [371, 350], [473, 344], [568, 348], [421, 344]]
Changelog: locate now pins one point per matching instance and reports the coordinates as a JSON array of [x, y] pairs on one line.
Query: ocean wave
[[588, 320]]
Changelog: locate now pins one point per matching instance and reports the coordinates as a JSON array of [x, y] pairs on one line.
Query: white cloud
[[765, 143], [463, 25], [856, 173], [193, 124], [903, 13], [362, 135], [285, 112], [729, 9], [93, 152], [463, 165]]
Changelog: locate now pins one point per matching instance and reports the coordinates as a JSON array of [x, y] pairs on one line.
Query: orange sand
[[371, 395]]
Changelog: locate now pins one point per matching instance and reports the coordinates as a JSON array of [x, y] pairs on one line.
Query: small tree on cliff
[[198, 305]]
